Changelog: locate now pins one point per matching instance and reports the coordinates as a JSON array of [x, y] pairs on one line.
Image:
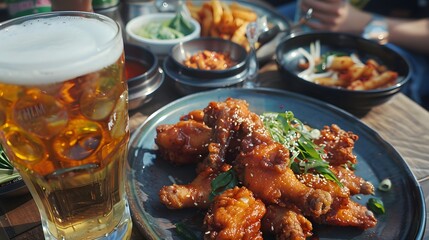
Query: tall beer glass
[[64, 120]]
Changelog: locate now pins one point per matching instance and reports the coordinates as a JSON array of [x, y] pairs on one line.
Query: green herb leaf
[[284, 128], [222, 182], [376, 205], [309, 149]]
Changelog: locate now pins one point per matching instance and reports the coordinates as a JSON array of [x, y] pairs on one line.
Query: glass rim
[[93, 15], [46, 68]]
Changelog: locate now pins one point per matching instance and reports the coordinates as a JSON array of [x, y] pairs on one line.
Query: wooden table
[[400, 121]]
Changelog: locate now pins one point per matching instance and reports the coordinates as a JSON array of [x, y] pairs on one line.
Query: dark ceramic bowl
[[188, 85], [357, 102], [142, 87], [183, 50], [190, 80]]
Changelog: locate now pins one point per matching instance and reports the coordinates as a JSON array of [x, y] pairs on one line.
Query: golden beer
[[64, 120]]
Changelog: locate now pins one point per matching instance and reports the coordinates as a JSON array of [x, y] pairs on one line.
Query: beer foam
[[48, 50]]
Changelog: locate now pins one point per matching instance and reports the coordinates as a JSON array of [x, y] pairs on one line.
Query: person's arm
[[72, 5], [340, 16], [336, 15], [411, 34]]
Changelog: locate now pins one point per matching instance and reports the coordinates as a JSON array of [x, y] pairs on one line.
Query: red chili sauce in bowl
[[134, 68]]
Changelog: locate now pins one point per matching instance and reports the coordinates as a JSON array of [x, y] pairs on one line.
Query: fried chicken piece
[[253, 133], [184, 142], [343, 211], [286, 223], [225, 119], [195, 194], [348, 213], [196, 115], [235, 129], [265, 171], [317, 181], [338, 145], [234, 214], [355, 184]]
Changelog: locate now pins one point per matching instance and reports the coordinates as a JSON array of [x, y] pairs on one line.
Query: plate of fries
[[228, 19]]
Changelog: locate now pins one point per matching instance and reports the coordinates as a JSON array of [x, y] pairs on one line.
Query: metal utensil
[[271, 33], [253, 31]]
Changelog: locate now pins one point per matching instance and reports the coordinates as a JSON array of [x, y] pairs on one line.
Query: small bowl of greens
[[11, 183], [159, 32]]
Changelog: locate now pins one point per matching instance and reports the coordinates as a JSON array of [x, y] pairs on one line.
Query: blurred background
[[21, 7]]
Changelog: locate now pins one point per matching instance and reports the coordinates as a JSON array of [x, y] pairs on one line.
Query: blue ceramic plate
[[377, 160]]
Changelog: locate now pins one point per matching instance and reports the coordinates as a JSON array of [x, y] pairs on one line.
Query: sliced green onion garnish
[[385, 185], [286, 129]]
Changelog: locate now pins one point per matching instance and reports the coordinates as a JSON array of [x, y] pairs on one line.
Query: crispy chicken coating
[[196, 115], [234, 214], [184, 142], [227, 134], [338, 145], [225, 119], [235, 129], [355, 184], [265, 171], [317, 181], [286, 223], [343, 211], [348, 213], [195, 194]]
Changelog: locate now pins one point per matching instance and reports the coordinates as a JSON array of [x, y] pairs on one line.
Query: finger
[[331, 8], [320, 26], [326, 19]]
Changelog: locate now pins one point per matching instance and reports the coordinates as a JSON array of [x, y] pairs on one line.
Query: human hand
[[336, 15]]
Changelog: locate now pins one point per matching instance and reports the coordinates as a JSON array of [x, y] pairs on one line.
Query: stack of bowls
[[190, 80], [142, 86]]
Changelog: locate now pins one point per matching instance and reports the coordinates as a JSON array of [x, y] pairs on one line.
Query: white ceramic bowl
[[159, 47]]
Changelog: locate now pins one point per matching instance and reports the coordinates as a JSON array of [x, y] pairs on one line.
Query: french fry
[[206, 22], [217, 11], [245, 15], [226, 21], [214, 32], [240, 34], [227, 17]]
